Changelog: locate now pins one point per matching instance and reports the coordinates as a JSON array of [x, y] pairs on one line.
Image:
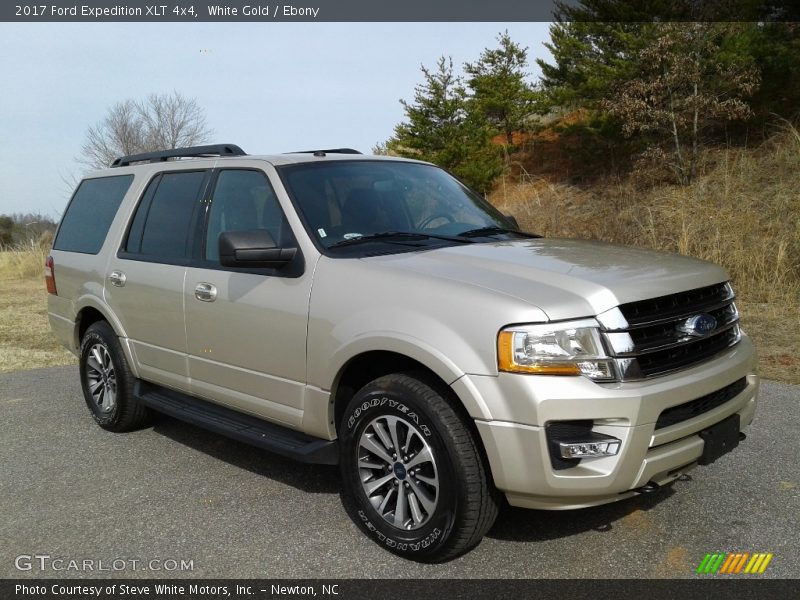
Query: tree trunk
[[681, 166], [693, 158]]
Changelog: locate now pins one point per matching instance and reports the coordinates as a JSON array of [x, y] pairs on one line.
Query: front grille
[[687, 354], [675, 305], [653, 336], [647, 339], [694, 408]]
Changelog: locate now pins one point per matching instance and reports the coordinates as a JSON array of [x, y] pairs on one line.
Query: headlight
[[568, 348]]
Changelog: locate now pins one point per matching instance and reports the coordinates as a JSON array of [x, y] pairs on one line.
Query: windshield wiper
[[398, 237], [492, 230]]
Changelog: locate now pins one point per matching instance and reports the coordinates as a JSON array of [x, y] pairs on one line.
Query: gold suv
[[375, 313]]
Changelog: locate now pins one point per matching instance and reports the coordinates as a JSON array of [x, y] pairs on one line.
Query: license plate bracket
[[719, 439]]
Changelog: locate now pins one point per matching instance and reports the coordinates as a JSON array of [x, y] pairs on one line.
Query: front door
[[246, 329]]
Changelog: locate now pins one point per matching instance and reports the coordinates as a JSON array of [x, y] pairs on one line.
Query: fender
[[414, 348]]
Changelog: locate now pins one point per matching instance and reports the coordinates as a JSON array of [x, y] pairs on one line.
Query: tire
[[107, 381], [449, 499]]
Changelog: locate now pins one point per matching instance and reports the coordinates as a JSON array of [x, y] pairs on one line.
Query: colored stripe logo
[[734, 563]]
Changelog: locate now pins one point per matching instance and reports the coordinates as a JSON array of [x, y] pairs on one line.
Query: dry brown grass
[[743, 213], [25, 338], [22, 262]]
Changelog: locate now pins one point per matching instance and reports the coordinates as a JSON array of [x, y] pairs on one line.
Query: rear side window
[[165, 216], [90, 212]]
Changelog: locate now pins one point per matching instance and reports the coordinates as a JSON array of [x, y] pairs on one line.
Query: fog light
[[607, 446]]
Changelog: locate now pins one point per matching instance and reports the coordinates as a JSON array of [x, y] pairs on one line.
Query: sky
[[267, 87]]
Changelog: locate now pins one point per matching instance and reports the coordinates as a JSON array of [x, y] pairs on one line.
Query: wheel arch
[[363, 367], [90, 311]]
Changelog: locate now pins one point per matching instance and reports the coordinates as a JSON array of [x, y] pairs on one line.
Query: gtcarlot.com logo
[[45, 562], [734, 563]]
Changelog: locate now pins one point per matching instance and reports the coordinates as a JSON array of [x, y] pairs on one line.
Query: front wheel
[[414, 479]]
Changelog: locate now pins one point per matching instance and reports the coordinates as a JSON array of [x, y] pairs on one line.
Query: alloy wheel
[[101, 379], [398, 472]]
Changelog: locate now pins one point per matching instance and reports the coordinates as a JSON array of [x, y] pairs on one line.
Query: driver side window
[[244, 200]]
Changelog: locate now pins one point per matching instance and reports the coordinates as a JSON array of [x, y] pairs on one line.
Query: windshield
[[345, 201]]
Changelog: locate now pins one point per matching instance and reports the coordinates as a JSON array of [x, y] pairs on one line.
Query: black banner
[[382, 589], [265, 11]]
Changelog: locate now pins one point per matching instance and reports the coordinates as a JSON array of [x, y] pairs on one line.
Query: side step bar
[[239, 426]]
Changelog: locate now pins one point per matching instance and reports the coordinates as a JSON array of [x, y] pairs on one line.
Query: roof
[[218, 154]]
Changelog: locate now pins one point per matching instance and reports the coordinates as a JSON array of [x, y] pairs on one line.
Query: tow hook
[[647, 488]]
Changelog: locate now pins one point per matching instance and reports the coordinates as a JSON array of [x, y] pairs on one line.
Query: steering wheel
[[423, 224]]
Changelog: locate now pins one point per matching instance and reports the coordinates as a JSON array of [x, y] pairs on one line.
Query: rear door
[[246, 329], [145, 280]]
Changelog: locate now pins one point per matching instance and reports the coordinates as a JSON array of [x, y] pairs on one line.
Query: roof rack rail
[[194, 151], [328, 151]]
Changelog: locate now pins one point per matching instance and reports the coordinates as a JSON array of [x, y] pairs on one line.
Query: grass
[[22, 262], [743, 212], [25, 338]]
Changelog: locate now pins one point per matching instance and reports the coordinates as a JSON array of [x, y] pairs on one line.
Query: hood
[[564, 278]]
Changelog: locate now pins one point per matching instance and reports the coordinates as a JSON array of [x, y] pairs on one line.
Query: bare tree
[[172, 121], [159, 122]]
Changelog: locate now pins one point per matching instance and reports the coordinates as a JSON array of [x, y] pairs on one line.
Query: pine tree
[[596, 44], [439, 129], [500, 93], [589, 59]]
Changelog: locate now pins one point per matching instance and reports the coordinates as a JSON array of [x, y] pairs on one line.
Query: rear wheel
[[413, 476], [107, 381]]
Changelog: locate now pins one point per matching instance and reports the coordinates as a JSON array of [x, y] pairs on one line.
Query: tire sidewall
[[368, 404], [98, 334]]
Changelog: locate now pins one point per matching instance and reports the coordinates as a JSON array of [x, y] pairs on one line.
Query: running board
[[239, 426]]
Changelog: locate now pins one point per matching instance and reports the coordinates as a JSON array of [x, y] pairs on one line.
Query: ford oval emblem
[[698, 325]]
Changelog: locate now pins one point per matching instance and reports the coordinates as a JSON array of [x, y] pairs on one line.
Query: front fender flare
[[415, 349]]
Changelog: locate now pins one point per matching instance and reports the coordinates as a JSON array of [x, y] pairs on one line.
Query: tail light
[[50, 276]]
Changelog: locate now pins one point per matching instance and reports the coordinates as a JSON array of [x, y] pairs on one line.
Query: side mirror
[[252, 248], [513, 220]]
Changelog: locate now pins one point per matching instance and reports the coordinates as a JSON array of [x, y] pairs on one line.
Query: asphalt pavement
[[173, 492]]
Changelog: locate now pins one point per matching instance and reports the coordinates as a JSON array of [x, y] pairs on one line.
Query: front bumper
[[522, 405]]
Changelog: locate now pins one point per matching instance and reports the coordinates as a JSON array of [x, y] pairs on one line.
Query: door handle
[[205, 292], [117, 278]]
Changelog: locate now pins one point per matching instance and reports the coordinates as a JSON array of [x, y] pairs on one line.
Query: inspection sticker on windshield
[[322, 233]]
